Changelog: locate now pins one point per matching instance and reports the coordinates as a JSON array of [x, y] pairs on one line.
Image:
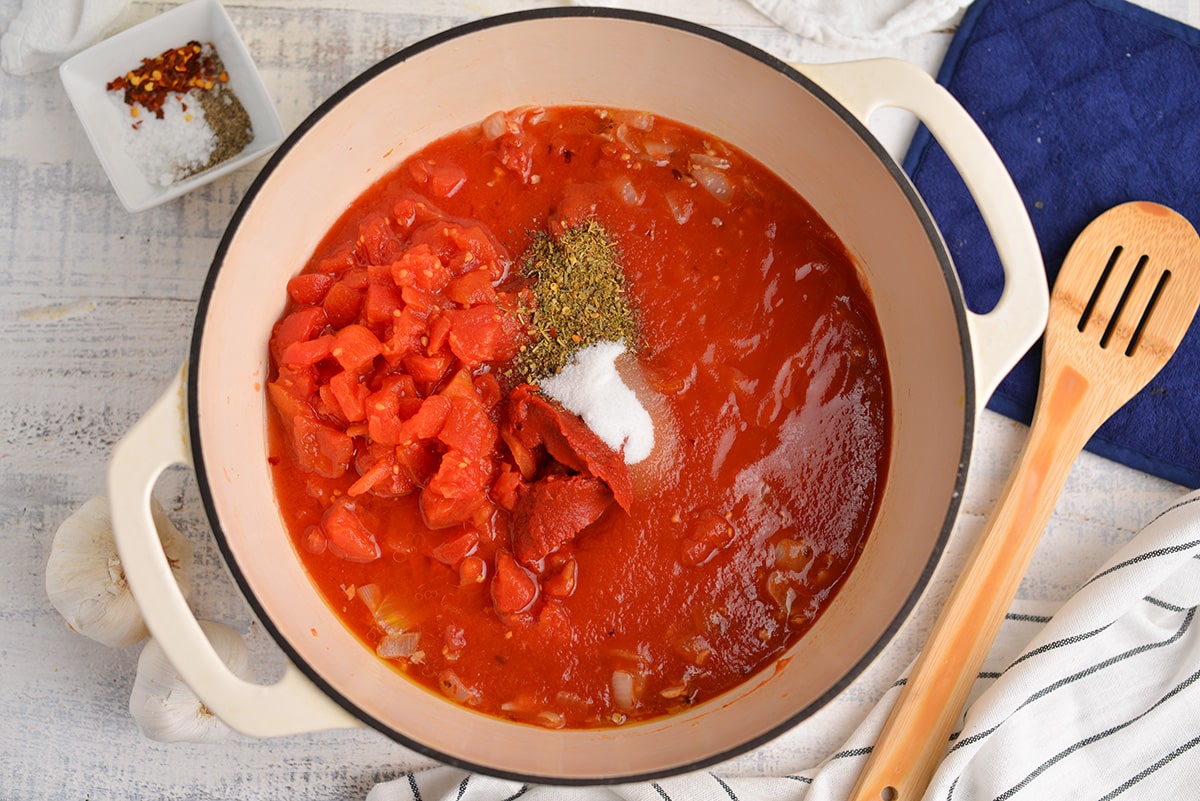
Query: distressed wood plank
[[95, 318]]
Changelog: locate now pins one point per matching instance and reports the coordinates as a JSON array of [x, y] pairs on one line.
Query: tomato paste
[[483, 539]]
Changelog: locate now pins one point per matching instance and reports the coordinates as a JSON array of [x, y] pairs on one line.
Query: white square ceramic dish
[[86, 74]]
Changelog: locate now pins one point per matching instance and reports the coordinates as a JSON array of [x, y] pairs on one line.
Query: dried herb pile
[[578, 284]]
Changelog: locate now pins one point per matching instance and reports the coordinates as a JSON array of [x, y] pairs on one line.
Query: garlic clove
[[165, 708], [86, 583]]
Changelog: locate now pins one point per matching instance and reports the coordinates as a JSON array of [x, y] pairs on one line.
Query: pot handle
[[290, 706], [1003, 335]]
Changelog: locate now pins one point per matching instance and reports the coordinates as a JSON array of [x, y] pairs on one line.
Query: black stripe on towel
[[1190, 744], [661, 792], [1074, 639], [728, 790], [1144, 557], [1066, 752], [462, 787], [1082, 674], [412, 786]]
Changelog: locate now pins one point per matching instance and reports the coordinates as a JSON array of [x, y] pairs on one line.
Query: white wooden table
[[95, 318]]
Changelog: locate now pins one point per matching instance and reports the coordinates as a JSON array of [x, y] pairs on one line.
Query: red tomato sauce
[[403, 462]]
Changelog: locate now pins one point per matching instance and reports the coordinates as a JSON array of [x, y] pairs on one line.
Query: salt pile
[[590, 386]]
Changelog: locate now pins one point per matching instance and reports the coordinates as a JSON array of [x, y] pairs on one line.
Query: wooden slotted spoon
[[1121, 304]]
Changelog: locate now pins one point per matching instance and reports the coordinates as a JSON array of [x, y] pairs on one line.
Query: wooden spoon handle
[[916, 734]]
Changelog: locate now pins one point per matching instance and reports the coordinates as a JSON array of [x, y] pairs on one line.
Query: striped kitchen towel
[[1102, 702]]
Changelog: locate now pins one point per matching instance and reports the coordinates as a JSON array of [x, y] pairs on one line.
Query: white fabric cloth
[[861, 23], [46, 33], [1101, 702]]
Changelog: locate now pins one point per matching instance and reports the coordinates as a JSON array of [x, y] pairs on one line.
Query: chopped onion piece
[[792, 554], [626, 138], [453, 687], [390, 619], [494, 126], [709, 160], [624, 686], [370, 596], [627, 191], [681, 207], [714, 181], [642, 120], [533, 115], [549, 719], [658, 150], [399, 646]]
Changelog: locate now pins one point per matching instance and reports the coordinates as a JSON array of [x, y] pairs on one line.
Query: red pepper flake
[[174, 71]]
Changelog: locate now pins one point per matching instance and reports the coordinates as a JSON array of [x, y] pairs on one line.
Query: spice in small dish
[[183, 117]]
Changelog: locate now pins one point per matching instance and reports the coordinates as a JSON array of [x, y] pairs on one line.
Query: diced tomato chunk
[[472, 289], [376, 474], [288, 404], [446, 179], [342, 303], [300, 326], [309, 352], [461, 476], [420, 460], [461, 385], [561, 584], [406, 335], [481, 334], [355, 347], [421, 301], [439, 511], [523, 456], [490, 393], [339, 262], [357, 277], [328, 408], [454, 548], [321, 448], [351, 395], [384, 421], [347, 535], [429, 419], [468, 429], [297, 381], [420, 266], [439, 331], [377, 242], [310, 288], [472, 570], [514, 589], [553, 622], [382, 302], [505, 487], [428, 369], [380, 472]]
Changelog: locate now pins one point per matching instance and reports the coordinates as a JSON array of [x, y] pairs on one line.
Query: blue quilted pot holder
[[1090, 103]]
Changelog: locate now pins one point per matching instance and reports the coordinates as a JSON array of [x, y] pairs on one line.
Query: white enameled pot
[[804, 123]]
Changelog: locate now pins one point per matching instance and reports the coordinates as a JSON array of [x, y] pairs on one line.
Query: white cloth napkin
[[1102, 702], [47, 32], [862, 23]]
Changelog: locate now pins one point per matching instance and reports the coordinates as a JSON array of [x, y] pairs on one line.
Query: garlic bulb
[[165, 708], [86, 583]]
